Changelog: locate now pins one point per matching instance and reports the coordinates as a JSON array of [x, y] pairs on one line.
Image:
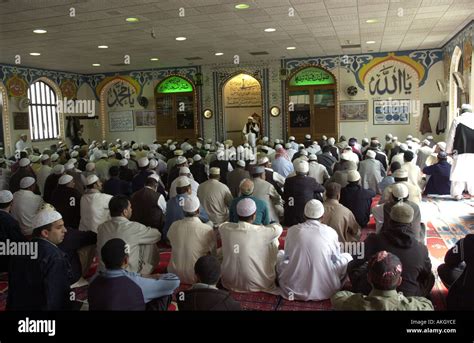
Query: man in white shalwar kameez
[[317, 171], [371, 171], [312, 266], [461, 144], [251, 131], [249, 252]]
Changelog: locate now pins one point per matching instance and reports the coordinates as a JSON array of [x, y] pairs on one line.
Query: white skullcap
[[416, 140], [278, 146], [143, 162], [324, 137], [429, 137], [301, 166], [402, 213], [288, 145], [110, 153], [74, 153], [301, 146], [241, 163], [307, 136], [24, 162], [26, 182], [91, 179], [172, 147], [92, 146], [395, 138], [191, 204], [314, 209], [65, 179], [169, 141], [150, 155], [132, 153], [399, 191], [90, 166], [246, 207], [154, 177], [467, 107], [331, 141], [442, 146], [197, 157], [250, 117], [426, 142], [404, 147], [69, 166], [123, 162], [181, 160], [291, 138], [34, 158], [371, 154], [58, 169], [353, 176], [45, 217], [44, 157], [215, 171], [313, 157], [72, 160], [220, 154], [346, 156], [365, 140], [178, 152], [207, 146], [400, 174], [5, 197], [153, 164], [182, 181], [135, 146], [304, 152], [409, 137], [263, 160], [265, 139]]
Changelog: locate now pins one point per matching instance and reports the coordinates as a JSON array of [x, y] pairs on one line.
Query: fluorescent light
[[371, 21], [370, 42], [219, 53], [35, 54], [242, 6], [270, 29], [96, 64], [291, 48], [103, 46], [180, 38], [132, 20], [154, 59], [39, 31]]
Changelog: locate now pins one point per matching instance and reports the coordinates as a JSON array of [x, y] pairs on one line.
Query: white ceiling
[[318, 28]]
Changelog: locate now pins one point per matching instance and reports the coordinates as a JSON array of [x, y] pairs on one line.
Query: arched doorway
[[454, 91], [176, 109], [242, 98], [312, 98]]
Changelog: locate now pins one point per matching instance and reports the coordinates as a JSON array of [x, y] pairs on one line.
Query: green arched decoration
[[174, 84], [312, 76]]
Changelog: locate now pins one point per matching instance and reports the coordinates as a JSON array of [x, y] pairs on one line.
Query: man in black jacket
[[399, 239], [67, 201], [198, 169], [204, 295]]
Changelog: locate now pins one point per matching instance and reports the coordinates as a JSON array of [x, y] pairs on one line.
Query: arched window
[[43, 113]]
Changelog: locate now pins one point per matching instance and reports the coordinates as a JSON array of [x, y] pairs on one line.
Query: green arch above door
[[174, 84]]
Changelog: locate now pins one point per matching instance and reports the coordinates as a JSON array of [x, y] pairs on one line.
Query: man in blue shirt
[[282, 164], [117, 289], [438, 182], [246, 190]]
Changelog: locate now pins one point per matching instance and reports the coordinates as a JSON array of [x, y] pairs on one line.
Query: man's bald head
[[246, 187]]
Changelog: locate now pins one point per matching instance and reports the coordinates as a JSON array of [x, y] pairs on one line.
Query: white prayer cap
[[74, 154], [72, 160], [250, 117], [169, 141], [111, 145], [313, 157], [265, 139], [400, 174], [5, 197], [371, 154], [150, 155], [394, 138], [187, 147], [178, 152], [409, 137], [313, 209], [399, 191], [65, 179], [153, 164], [90, 166], [123, 162], [304, 152], [291, 138], [388, 136], [110, 153], [324, 137], [143, 162], [124, 144], [154, 177], [466, 107], [246, 207], [24, 162], [132, 153], [353, 176], [45, 217], [69, 166], [58, 169], [307, 136], [331, 141], [241, 163], [34, 158], [184, 171], [402, 213], [191, 204], [44, 157], [426, 142], [263, 160], [365, 140], [197, 157], [403, 147], [429, 137], [441, 146], [288, 145], [135, 146], [91, 179], [215, 171], [301, 166], [26, 182], [172, 147], [301, 146], [278, 146], [92, 146], [181, 160], [207, 146], [182, 181]]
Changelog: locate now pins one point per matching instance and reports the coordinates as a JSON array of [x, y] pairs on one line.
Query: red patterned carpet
[[448, 221]]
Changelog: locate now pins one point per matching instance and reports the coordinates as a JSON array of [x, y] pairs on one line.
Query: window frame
[[43, 109]]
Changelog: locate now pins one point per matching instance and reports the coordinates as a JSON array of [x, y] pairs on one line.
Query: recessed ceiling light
[[96, 64], [291, 48], [242, 6], [180, 38], [35, 54], [103, 46], [370, 42], [270, 29], [371, 21], [132, 20], [154, 59], [39, 31], [219, 53]]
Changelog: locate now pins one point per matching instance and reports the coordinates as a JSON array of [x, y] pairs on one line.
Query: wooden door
[[165, 117]]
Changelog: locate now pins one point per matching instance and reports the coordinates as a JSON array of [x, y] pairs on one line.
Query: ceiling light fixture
[[103, 46], [154, 59], [371, 21], [180, 38], [242, 6], [219, 53], [96, 64], [270, 29], [40, 31], [35, 54], [291, 48], [370, 42], [132, 20]]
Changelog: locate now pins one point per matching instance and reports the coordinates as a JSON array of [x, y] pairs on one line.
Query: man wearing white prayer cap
[[371, 171], [198, 169], [139, 180], [184, 171], [43, 172], [401, 176], [102, 165], [190, 239], [51, 292], [67, 199], [215, 197], [423, 153], [23, 171], [25, 204], [235, 177], [94, 205], [301, 279], [249, 252], [265, 191], [460, 143], [299, 189], [179, 162], [251, 131]]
